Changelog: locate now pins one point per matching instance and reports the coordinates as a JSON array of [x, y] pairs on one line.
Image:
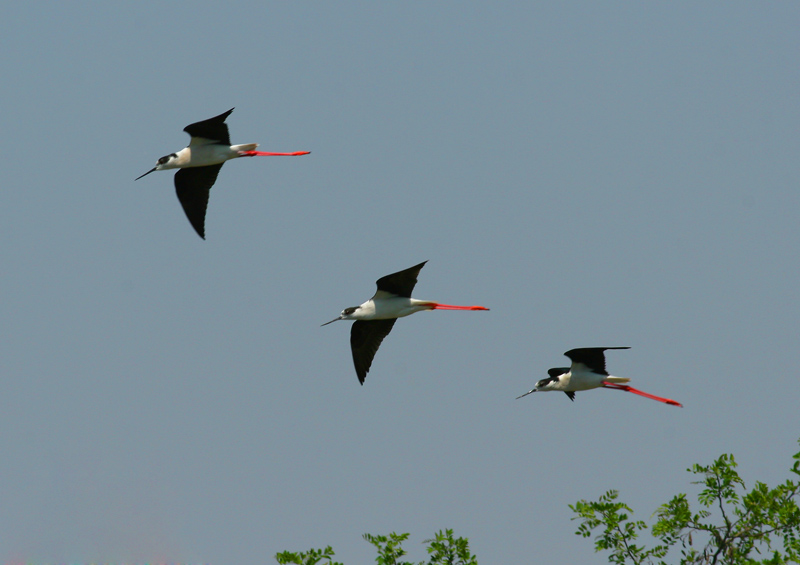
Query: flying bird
[[200, 162], [588, 371], [375, 317]]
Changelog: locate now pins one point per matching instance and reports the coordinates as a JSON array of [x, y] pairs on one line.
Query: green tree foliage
[[733, 526], [443, 549], [310, 557]]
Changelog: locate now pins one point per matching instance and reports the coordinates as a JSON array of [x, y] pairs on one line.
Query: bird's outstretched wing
[[214, 130], [400, 283], [591, 357], [365, 339], [192, 185]]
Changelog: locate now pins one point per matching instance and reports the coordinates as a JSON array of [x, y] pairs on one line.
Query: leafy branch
[[757, 526], [443, 549]]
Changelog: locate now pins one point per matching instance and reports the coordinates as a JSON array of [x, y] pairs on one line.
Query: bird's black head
[[166, 158], [544, 382], [345, 315], [161, 164]]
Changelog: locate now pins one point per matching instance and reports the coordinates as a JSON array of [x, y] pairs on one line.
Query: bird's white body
[[202, 153], [579, 379], [388, 306]]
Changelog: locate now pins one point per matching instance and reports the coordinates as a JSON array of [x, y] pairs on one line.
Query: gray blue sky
[[596, 174]]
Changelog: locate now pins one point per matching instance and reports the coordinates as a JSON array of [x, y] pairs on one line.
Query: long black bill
[[526, 394], [147, 173], [332, 321]]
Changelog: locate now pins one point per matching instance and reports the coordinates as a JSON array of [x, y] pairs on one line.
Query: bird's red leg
[[268, 154], [437, 306], [640, 393]]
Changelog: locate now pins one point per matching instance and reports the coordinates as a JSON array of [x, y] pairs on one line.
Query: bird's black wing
[[214, 129], [592, 357], [556, 372], [193, 185], [400, 283], [365, 339], [570, 394]]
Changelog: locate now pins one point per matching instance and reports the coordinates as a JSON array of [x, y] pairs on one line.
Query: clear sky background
[[598, 175]]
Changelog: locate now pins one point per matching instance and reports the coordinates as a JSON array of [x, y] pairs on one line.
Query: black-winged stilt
[[588, 371], [200, 162], [375, 317]]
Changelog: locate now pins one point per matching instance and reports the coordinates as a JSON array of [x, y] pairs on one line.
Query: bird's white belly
[[396, 307], [584, 381], [204, 155]]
